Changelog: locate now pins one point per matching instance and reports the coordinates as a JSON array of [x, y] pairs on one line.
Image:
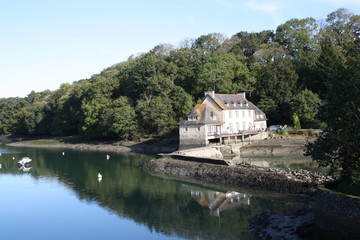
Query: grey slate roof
[[202, 114]]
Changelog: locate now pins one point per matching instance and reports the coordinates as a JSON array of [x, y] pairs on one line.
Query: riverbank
[[271, 147], [279, 180], [333, 216], [267, 147], [154, 145]]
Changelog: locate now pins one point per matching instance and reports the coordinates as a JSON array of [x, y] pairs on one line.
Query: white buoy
[[99, 177], [107, 157], [0, 166], [63, 153], [13, 157]]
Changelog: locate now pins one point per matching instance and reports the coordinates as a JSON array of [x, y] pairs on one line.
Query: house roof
[[232, 101], [237, 102], [202, 114], [207, 113]]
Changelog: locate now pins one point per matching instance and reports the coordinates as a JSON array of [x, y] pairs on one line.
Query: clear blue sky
[[44, 43]]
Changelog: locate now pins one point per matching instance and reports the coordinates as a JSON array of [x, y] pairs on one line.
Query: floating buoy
[[0, 165], [107, 157], [63, 153], [99, 177], [13, 157]]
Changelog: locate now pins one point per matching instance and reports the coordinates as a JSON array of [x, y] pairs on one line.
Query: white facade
[[220, 115]]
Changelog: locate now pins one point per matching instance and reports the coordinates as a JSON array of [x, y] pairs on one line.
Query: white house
[[220, 115]]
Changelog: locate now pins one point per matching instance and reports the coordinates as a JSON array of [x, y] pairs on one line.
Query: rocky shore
[[279, 180], [306, 224]]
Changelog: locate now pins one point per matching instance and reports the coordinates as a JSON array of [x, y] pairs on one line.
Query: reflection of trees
[[160, 204]]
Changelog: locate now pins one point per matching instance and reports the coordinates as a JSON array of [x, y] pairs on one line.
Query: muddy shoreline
[[153, 146]]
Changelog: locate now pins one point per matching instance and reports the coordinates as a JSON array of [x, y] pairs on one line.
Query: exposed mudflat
[[154, 146]]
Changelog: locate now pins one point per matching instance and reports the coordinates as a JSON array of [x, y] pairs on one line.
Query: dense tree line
[[285, 72]]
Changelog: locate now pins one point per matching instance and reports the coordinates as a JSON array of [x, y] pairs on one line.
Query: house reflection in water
[[217, 201]]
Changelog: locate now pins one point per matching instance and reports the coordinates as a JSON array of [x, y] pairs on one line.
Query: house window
[[198, 129], [249, 113], [213, 116], [232, 103], [237, 114], [230, 114], [186, 129], [243, 113], [213, 128], [231, 127]]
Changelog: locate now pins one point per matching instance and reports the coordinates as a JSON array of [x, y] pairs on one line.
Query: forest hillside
[[286, 72]]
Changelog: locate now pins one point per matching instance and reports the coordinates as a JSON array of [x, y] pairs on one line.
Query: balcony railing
[[224, 134]]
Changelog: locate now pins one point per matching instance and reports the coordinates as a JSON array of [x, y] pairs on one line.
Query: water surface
[[61, 197]]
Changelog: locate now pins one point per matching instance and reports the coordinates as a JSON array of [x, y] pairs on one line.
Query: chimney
[[243, 94], [211, 93]]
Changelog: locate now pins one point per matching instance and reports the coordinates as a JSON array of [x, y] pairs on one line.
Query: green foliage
[[339, 145], [122, 118], [225, 74], [305, 105], [275, 73], [156, 115], [296, 121], [291, 70], [298, 36], [10, 114]]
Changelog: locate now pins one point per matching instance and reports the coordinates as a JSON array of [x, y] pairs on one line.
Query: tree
[[94, 124], [156, 115], [298, 36], [225, 74], [343, 27], [10, 112], [275, 74], [248, 43], [329, 67], [339, 145], [305, 105], [296, 121]]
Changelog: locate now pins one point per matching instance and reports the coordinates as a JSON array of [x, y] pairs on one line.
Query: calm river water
[[61, 197]]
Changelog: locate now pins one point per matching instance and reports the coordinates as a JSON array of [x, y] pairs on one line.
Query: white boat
[[25, 161]]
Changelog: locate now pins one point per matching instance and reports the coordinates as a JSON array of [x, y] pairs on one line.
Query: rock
[[280, 180], [277, 226]]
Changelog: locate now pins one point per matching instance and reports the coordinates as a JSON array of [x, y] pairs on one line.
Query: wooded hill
[[286, 73]]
